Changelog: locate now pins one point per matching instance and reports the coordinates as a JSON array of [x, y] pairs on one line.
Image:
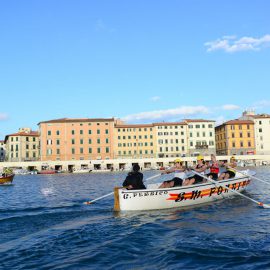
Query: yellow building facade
[[134, 141], [22, 146], [235, 137]]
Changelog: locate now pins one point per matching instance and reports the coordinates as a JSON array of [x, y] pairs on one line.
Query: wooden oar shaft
[[234, 191], [97, 199]]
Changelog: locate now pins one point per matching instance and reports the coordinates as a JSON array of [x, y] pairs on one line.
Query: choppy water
[[44, 225]]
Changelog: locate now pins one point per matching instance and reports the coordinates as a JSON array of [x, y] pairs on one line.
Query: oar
[[109, 194], [251, 176], [234, 191]]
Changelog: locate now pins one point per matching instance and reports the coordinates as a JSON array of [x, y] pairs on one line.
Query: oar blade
[[265, 206]]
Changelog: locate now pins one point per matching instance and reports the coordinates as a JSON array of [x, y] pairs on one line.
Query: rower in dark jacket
[[134, 179]]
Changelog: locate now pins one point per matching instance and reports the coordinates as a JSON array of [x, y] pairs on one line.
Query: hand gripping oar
[[251, 176], [109, 194], [234, 191]]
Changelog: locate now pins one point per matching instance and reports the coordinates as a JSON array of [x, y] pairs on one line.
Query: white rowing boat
[[153, 198]]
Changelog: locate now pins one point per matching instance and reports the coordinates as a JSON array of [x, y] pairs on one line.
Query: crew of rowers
[[134, 180], [199, 170]]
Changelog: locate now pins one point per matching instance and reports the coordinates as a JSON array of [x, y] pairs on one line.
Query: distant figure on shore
[[177, 180], [134, 179], [230, 172], [214, 168]]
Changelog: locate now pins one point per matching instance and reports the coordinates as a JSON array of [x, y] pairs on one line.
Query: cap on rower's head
[[200, 157], [178, 160], [233, 158]]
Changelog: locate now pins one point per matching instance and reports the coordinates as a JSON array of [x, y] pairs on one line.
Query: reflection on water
[[45, 225]]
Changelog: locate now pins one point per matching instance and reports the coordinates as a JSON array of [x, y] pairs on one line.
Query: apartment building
[[22, 146], [77, 139], [200, 137], [262, 134], [135, 141], [171, 139], [2, 151], [235, 137]]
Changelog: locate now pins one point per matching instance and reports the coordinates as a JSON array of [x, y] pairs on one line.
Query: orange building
[[76, 139], [235, 137]]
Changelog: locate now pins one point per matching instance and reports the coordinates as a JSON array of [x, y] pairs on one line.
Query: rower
[[178, 170]]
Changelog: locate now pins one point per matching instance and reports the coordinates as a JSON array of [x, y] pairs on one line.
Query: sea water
[[45, 225]]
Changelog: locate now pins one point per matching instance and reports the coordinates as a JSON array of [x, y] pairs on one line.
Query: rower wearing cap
[[177, 169], [230, 172], [200, 168]]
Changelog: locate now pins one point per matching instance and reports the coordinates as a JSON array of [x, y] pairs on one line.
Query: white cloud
[[3, 116], [155, 98], [220, 120], [183, 111], [262, 104], [230, 107], [231, 44]]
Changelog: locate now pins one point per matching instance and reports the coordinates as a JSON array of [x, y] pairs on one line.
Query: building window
[[81, 150], [49, 142], [81, 132], [72, 141], [98, 150], [73, 151], [98, 131], [58, 151], [90, 150], [106, 131], [107, 149], [57, 142], [73, 132], [57, 132], [107, 140], [98, 141]]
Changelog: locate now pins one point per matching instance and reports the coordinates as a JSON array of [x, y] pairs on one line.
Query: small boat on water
[[46, 172], [85, 170], [154, 198], [7, 179]]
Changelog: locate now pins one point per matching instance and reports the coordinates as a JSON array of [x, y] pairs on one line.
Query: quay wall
[[119, 164]]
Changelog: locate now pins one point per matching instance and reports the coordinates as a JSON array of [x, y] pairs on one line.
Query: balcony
[[198, 146]]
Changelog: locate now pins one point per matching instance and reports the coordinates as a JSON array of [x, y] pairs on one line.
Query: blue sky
[[142, 61]]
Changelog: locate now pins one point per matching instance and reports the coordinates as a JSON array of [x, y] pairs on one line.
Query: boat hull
[[6, 179], [152, 199]]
